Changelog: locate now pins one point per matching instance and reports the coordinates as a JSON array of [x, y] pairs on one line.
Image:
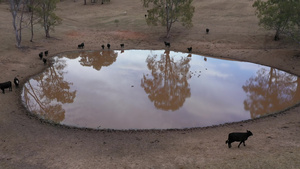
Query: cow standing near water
[[17, 82]]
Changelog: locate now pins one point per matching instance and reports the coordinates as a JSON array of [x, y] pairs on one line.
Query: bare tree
[[32, 5], [17, 8]]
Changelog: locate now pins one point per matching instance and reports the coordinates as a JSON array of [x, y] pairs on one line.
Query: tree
[[279, 15], [32, 6], [167, 12], [17, 8], [48, 19]]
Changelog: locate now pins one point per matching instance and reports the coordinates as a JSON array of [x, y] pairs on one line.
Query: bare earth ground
[[26, 142]]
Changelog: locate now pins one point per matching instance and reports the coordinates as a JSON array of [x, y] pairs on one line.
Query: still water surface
[[155, 89]]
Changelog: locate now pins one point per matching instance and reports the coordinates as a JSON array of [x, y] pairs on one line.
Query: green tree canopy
[[167, 12], [279, 15], [48, 19]]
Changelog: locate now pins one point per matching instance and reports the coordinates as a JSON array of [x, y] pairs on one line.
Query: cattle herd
[[8, 85]]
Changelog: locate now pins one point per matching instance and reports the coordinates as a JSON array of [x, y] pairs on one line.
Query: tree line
[[282, 16]]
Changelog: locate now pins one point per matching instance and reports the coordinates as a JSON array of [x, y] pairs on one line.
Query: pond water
[[155, 89]]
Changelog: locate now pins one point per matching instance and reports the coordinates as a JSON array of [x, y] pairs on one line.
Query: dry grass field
[[28, 143]]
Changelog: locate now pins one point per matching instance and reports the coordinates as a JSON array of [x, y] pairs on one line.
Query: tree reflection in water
[[46, 93], [95, 88], [168, 87], [97, 60], [271, 90]]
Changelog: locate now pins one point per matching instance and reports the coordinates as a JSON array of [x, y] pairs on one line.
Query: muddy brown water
[[155, 89]]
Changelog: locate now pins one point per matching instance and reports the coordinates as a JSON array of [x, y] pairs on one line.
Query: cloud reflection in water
[[156, 89]]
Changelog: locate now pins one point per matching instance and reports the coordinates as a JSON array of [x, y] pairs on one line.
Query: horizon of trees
[[281, 16]]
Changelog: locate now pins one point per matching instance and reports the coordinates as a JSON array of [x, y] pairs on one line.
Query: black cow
[[81, 46], [102, 46], [190, 49], [46, 52], [108, 46], [167, 44], [122, 45], [41, 55], [5, 85], [45, 61], [241, 137], [207, 30], [17, 82]]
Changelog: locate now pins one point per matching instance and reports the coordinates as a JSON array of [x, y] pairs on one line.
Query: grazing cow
[[81, 46], [5, 85], [46, 52], [17, 82], [102, 46], [45, 61], [167, 44], [190, 49], [207, 30], [122, 45], [41, 55], [108, 46], [241, 137], [145, 16]]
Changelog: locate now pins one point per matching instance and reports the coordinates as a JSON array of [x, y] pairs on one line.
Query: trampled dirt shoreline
[[26, 142]]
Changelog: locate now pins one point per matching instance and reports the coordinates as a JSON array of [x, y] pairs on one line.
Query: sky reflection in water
[[156, 89]]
